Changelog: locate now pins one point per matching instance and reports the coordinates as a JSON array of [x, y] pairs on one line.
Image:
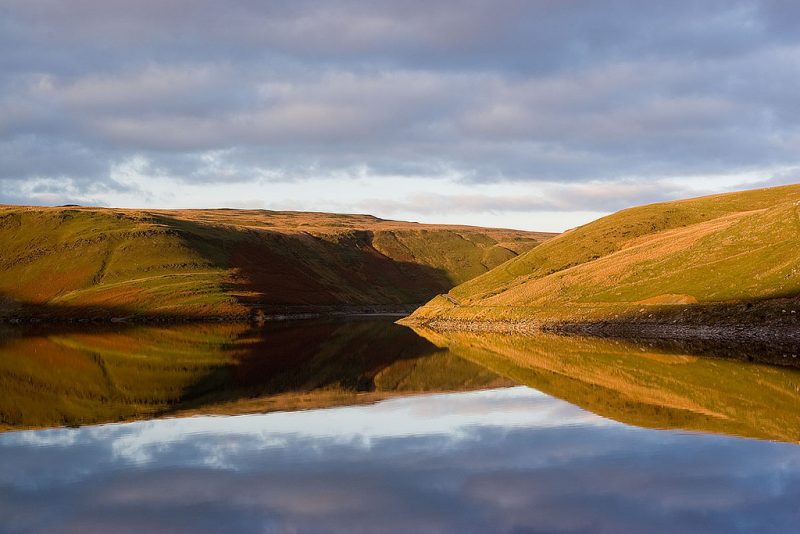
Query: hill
[[94, 262], [718, 258]]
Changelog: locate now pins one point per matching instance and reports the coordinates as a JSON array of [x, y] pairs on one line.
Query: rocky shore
[[776, 344]]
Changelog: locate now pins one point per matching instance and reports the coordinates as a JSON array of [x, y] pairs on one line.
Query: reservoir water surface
[[366, 426]]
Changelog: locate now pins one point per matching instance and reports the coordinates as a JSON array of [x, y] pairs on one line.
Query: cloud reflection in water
[[499, 460]]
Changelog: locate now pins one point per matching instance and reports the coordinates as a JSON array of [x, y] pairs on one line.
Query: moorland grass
[[198, 263], [732, 248]]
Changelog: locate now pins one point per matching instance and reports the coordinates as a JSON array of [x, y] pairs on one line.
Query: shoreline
[[777, 345], [146, 319], [711, 331]]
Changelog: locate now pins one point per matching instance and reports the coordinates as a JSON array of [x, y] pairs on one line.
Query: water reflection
[[74, 374], [69, 377], [644, 384], [505, 460]]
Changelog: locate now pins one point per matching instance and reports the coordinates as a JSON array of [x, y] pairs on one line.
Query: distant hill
[[93, 262], [713, 257]]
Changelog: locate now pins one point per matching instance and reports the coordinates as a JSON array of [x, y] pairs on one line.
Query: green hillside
[[111, 262], [705, 253]]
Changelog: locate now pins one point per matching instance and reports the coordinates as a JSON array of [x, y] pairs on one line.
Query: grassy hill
[[641, 384], [111, 262], [666, 261]]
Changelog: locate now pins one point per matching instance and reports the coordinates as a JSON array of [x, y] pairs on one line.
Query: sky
[[532, 114]]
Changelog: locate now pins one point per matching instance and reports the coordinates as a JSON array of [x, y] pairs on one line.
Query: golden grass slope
[[738, 247], [90, 261]]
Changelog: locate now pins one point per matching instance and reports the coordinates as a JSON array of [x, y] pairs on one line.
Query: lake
[[367, 426]]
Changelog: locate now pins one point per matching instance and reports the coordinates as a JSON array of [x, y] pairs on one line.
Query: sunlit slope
[[206, 262], [642, 385], [723, 248]]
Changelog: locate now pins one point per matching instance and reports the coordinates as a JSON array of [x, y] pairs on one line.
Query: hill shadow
[[267, 272], [279, 272]]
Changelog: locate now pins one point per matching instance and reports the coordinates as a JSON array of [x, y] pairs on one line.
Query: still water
[[371, 427]]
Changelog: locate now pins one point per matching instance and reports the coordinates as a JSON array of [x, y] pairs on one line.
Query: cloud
[[596, 196], [476, 92]]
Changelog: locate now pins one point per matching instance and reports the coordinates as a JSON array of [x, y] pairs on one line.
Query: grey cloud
[[33, 156], [449, 32], [484, 91]]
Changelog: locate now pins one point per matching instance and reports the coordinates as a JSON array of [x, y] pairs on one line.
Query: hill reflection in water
[[78, 375], [648, 384]]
